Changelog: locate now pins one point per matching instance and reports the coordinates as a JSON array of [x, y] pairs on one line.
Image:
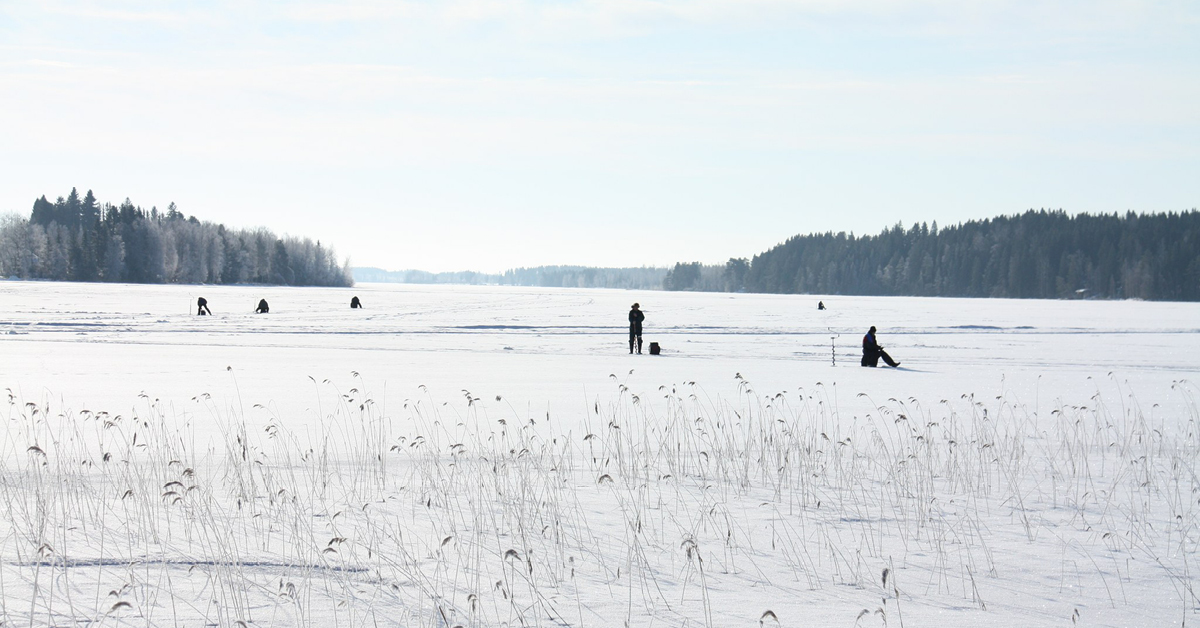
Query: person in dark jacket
[[262, 308], [202, 307], [872, 351], [635, 328], [355, 303]]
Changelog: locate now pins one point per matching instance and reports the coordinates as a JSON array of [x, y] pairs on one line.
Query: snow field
[[641, 497], [677, 511]]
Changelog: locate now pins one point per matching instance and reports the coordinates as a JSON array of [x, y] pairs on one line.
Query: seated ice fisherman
[[262, 308], [872, 351]]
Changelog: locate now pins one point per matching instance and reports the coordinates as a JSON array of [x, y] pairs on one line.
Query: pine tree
[[73, 210], [89, 212]]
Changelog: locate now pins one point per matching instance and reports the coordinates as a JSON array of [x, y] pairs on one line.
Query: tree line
[[1038, 254], [645, 278], [80, 239]]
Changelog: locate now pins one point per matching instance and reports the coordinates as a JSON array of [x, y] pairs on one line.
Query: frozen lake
[[486, 456], [99, 346]]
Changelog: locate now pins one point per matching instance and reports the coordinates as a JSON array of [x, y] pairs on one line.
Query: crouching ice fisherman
[[872, 351], [262, 308], [635, 328]]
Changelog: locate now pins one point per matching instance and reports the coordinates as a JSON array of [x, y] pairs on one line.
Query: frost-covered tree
[[16, 254], [58, 249]]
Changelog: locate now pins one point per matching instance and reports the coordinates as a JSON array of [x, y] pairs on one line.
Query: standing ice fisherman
[[635, 328], [202, 307], [262, 308], [872, 351]]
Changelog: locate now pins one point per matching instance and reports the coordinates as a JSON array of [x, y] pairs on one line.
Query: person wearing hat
[[635, 328], [872, 351]]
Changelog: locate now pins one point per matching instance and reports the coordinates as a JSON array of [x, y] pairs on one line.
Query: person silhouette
[[635, 327], [262, 308], [202, 307], [872, 351], [820, 305], [355, 303]]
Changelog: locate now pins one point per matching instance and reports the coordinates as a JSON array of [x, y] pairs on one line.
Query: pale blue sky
[[486, 135]]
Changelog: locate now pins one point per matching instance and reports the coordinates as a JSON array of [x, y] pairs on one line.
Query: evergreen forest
[[80, 239], [1038, 254]]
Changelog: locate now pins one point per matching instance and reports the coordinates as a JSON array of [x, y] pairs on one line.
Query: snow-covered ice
[[493, 456]]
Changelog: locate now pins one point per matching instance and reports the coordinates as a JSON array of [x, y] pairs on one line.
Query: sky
[[481, 135]]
